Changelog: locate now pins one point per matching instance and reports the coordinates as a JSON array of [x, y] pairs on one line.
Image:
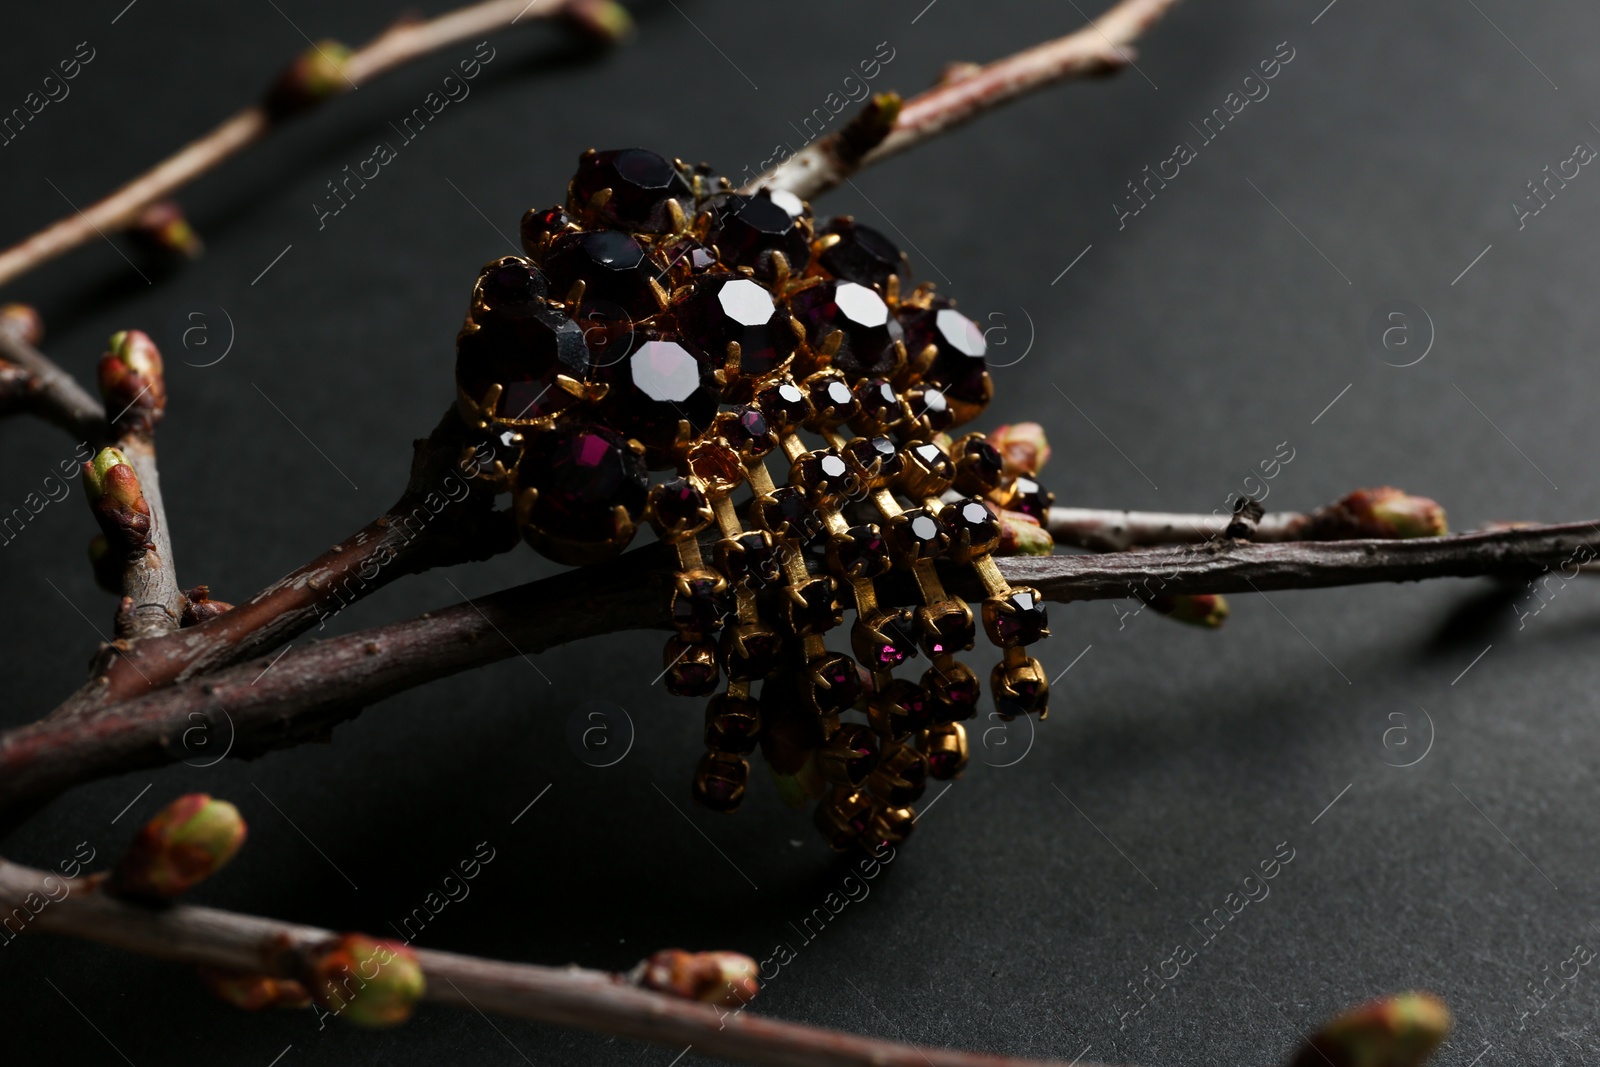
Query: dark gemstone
[[1018, 618], [687, 259], [844, 821], [930, 411], [691, 667], [979, 467], [822, 475], [859, 552], [746, 429], [868, 332], [796, 207], [616, 270], [658, 385], [784, 404], [641, 183], [916, 535], [733, 724], [510, 287], [879, 408], [678, 509], [787, 513], [928, 470], [538, 227], [832, 402], [725, 308], [832, 683], [750, 651], [955, 690], [908, 704], [1031, 498], [716, 465], [884, 639], [946, 757], [582, 476], [1027, 695], [862, 255], [705, 180], [719, 781], [959, 365], [522, 351], [974, 530], [875, 460], [813, 608], [945, 628], [849, 754], [747, 230], [700, 601], [751, 557]]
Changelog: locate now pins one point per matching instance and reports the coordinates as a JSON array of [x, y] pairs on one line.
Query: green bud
[[366, 981], [1023, 447], [1021, 535], [95, 471], [1209, 610], [316, 74], [602, 21], [23, 322], [725, 978], [1398, 1031], [187, 842]]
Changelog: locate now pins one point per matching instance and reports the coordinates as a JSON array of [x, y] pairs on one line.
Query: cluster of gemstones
[[661, 321]]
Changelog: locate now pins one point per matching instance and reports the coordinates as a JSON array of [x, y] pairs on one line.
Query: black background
[[1191, 344]]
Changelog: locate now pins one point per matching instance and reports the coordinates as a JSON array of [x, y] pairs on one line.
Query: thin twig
[[567, 996], [442, 518], [153, 600], [55, 395], [394, 47], [311, 689], [1105, 530], [1102, 47]]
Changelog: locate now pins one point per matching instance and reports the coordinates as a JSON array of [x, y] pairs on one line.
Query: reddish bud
[[1398, 1031], [601, 21], [133, 382], [316, 74], [163, 227], [1021, 535], [22, 322], [187, 842], [198, 607], [1023, 446], [117, 501], [1208, 609], [365, 980], [252, 992], [1384, 512], [725, 978], [869, 127]]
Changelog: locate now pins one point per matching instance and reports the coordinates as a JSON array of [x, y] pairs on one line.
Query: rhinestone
[[641, 183], [862, 255], [869, 333]]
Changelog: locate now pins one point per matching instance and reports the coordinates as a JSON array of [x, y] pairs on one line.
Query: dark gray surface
[[1196, 339]]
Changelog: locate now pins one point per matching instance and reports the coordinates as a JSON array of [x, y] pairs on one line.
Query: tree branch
[[1100, 48], [311, 689], [400, 44], [566, 996], [52, 393], [443, 517]]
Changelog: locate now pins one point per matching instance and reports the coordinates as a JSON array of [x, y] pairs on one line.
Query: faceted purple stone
[[862, 255], [614, 267], [762, 649], [511, 286], [687, 259], [658, 384], [751, 557], [724, 308], [930, 409], [1028, 696], [703, 608], [834, 683], [962, 349], [945, 632], [1031, 498], [879, 407], [913, 706], [787, 513], [539, 226], [582, 476], [733, 724], [1027, 622], [813, 608], [917, 535], [719, 781], [522, 349], [979, 467], [972, 526], [822, 475], [892, 644], [875, 459], [853, 752], [641, 183], [832, 402], [691, 667], [860, 552], [677, 506], [867, 349], [944, 765], [956, 693], [747, 230], [784, 404], [749, 432]]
